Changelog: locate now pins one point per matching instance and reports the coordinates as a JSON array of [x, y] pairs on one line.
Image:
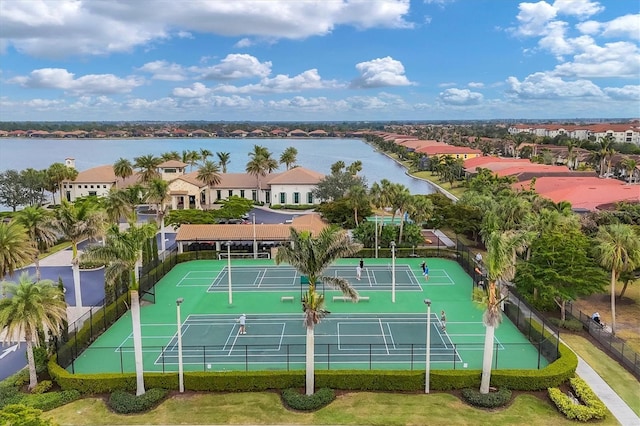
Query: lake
[[314, 154]]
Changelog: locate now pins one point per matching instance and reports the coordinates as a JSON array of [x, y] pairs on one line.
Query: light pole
[[376, 236], [393, 271], [255, 242], [180, 369], [427, 371], [229, 270]]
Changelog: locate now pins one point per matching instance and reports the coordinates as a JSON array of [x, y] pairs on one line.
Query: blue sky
[[325, 60]]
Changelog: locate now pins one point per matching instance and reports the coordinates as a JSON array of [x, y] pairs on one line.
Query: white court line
[[391, 336], [183, 332], [448, 276], [383, 336], [235, 339], [226, 342], [130, 336], [369, 277], [255, 282]]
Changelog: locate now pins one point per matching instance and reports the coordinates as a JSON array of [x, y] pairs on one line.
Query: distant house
[[96, 181], [238, 134], [200, 134], [318, 134], [297, 133], [171, 169], [180, 133], [257, 133], [294, 186]]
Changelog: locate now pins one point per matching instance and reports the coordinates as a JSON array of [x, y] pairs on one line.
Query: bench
[[286, 299], [345, 298]]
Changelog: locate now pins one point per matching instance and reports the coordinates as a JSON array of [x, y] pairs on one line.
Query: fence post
[[454, 355], [496, 352], [328, 356], [539, 349], [104, 313], [246, 358], [411, 358], [91, 323], [121, 361], [204, 358], [370, 355], [288, 366]]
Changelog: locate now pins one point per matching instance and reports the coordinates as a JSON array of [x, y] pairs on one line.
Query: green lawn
[[620, 380], [348, 409]]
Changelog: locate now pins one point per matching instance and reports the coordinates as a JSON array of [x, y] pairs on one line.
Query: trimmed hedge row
[[593, 407], [486, 400], [297, 401], [125, 403]]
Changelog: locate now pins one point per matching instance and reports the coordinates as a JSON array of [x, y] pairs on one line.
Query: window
[[85, 187], [296, 198], [104, 186], [254, 196], [309, 197], [218, 194], [283, 198], [92, 193], [242, 193], [91, 186], [230, 193], [170, 170]]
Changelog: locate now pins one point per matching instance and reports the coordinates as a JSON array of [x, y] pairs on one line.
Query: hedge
[[593, 407], [297, 401], [486, 400], [125, 403]]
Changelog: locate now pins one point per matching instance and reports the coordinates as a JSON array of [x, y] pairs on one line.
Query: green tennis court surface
[[374, 333]]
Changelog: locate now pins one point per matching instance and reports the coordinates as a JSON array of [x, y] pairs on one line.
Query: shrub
[[593, 408], [488, 400], [50, 400], [125, 403], [9, 394], [297, 401], [20, 415], [41, 358], [570, 324], [42, 386]]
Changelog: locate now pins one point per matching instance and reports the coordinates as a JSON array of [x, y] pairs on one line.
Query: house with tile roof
[[294, 186]]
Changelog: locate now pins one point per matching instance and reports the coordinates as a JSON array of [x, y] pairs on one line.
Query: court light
[[427, 371], [180, 367], [393, 271], [229, 271], [255, 241]]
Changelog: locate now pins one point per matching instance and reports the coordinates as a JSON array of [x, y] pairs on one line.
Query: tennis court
[[375, 333]]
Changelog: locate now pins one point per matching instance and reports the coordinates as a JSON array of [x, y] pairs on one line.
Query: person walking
[[425, 270], [361, 264], [243, 324], [358, 272], [443, 321]]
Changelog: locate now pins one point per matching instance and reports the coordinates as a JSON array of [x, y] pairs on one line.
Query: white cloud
[[620, 59], [195, 91], [236, 66], [381, 72], [533, 18], [455, 96], [623, 26], [81, 27], [59, 78], [475, 85], [162, 104], [579, 8], [625, 93], [547, 86], [308, 80], [163, 70]]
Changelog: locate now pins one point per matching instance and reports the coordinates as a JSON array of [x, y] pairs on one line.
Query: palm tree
[[118, 204], [400, 198], [122, 253], [209, 173], [500, 263], [310, 256], [171, 155], [629, 165], [260, 164], [289, 157], [617, 250], [123, 168], [56, 174], [356, 197], [77, 222], [148, 167], [39, 225], [15, 248], [355, 167], [191, 158], [158, 193], [204, 154], [31, 306], [223, 160]]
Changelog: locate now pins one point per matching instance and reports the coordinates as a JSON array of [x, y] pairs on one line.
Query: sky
[[324, 60]]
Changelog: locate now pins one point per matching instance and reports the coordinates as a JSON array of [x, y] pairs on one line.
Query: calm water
[[314, 154]]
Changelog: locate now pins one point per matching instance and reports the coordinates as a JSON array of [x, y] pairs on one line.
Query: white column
[[180, 366], [427, 372]]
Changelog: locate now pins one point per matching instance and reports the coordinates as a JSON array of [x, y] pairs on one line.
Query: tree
[[209, 173], [500, 263], [147, 166], [223, 160], [76, 222], [15, 248], [560, 269], [358, 199], [123, 168], [117, 204], [39, 225], [33, 182], [205, 154], [122, 253], [191, 158], [355, 167], [336, 185], [289, 157], [617, 250], [171, 155], [13, 193], [23, 415], [629, 165], [260, 164], [158, 193], [28, 307], [56, 174], [310, 256]]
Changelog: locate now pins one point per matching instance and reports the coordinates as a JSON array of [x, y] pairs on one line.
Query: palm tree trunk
[[310, 359], [163, 244], [137, 342], [75, 266], [33, 377], [613, 302], [487, 359], [624, 288], [37, 262]]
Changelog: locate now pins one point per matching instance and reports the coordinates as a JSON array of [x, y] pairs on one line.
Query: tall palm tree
[[629, 165], [289, 157], [500, 263], [400, 199], [117, 204], [171, 155], [617, 250], [123, 168], [205, 154], [310, 256], [122, 253], [191, 158], [77, 222], [15, 248], [158, 193], [147, 166], [39, 225], [357, 197], [28, 307], [261, 162], [355, 167], [56, 174], [209, 173], [223, 160]]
